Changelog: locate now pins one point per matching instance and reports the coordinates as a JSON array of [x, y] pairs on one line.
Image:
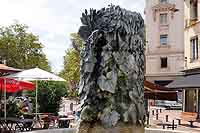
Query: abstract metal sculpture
[[112, 67]]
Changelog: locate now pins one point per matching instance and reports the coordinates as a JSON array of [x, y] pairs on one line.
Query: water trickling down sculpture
[[112, 66]]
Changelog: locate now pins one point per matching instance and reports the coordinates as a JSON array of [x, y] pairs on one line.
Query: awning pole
[[198, 104], [5, 98], [36, 100]]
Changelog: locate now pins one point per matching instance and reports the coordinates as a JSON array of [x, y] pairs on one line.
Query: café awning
[[9, 85], [13, 85], [190, 81], [155, 87], [157, 92]]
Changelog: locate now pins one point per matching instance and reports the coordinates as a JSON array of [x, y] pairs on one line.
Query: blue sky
[[54, 20]]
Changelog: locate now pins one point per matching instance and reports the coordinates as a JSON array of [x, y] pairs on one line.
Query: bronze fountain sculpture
[[112, 70]]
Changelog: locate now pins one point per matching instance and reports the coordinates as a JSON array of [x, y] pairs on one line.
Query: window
[[163, 61], [163, 39], [193, 9], [163, 1], [194, 48], [163, 18]]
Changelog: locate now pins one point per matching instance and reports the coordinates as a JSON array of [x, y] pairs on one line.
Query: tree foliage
[[72, 63], [20, 48], [49, 95], [77, 42]]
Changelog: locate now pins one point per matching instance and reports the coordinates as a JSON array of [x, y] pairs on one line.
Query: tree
[[20, 48], [72, 64], [77, 42], [49, 95]]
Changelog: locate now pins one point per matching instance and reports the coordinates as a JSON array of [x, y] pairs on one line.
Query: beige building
[[192, 34], [165, 40], [191, 96]]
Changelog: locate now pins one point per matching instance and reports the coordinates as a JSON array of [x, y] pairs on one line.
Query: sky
[[54, 20]]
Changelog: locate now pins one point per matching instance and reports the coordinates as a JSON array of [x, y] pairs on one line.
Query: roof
[[5, 69]]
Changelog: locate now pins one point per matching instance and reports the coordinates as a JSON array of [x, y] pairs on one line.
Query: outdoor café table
[[64, 122], [43, 119], [13, 124]]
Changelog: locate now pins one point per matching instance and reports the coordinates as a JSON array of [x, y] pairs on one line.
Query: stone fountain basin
[[73, 130], [62, 130]]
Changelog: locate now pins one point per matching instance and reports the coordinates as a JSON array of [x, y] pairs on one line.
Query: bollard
[[160, 110], [156, 116], [152, 112], [167, 118], [163, 126], [148, 118], [173, 125], [179, 121], [156, 111]]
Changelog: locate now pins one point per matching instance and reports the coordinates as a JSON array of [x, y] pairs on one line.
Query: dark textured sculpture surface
[[112, 66]]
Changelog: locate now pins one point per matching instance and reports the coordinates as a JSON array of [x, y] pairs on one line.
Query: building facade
[[192, 33], [191, 96], [165, 40]]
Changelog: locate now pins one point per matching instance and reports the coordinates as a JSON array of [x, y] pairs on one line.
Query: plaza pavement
[[173, 115]]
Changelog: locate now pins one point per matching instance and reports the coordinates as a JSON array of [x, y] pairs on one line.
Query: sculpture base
[[119, 128]]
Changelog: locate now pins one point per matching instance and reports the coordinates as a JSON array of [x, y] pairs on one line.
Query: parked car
[[171, 105]]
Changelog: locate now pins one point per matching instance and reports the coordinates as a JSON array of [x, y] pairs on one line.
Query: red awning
[[157, 92], [155, 87], [13, 85], [170, 96]]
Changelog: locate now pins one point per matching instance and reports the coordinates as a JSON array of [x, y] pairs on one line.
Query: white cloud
[[54, 20]]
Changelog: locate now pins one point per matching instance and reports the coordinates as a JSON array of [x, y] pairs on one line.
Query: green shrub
[[49, 96]]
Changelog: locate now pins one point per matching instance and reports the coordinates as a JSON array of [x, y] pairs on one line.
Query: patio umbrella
[[8, 85], [12, 85], [36, 74]]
